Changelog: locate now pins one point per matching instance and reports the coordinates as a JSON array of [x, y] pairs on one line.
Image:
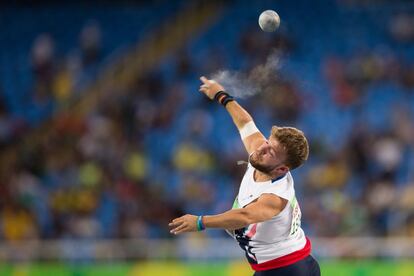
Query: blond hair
[[294, 144]]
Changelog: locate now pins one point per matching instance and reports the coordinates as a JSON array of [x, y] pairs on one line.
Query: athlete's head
[[286, 149]]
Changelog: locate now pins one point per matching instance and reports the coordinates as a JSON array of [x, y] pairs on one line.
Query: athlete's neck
[[261, 176]]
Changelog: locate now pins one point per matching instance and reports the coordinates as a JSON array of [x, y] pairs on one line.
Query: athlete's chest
[[250, 190]]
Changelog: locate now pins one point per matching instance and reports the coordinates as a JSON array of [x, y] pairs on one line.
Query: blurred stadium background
[[104, 137]]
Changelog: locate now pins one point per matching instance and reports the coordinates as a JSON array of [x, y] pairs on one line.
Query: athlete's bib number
[[296, 216]]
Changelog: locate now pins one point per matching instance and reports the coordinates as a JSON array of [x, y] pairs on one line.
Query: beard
[[255, 161]]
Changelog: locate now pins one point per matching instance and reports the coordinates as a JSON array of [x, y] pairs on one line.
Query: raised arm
[[252, 138]]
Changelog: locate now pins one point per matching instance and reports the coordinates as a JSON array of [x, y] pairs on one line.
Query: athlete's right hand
[[210, 87], [187, 223]]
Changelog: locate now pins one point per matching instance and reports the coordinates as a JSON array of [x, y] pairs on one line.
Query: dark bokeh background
[[104, 135]]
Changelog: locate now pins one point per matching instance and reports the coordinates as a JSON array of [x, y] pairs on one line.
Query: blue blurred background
[[104, 137]]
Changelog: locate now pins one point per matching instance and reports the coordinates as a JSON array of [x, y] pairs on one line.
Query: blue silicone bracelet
[[200, 225]]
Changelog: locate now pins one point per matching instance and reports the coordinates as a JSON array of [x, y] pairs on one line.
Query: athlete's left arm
[[264, 208]]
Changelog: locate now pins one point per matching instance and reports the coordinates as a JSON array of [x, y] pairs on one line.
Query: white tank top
[[274, 238]]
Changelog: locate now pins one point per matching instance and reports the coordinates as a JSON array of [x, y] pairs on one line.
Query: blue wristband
[[200, 224]]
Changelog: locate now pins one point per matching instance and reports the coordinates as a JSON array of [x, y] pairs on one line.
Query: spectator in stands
[[43, 63], [90, 42]]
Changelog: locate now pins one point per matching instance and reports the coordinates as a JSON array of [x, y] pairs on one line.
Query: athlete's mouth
[[257, 155]]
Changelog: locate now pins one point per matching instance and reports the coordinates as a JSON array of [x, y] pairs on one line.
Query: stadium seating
[[162, 149]]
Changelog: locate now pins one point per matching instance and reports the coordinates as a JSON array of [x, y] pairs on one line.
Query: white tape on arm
[[248, 129]]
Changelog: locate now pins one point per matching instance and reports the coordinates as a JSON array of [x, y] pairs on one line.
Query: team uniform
[[278, 245]]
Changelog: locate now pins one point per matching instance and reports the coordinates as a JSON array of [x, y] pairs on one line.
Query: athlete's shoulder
[[282, 187]]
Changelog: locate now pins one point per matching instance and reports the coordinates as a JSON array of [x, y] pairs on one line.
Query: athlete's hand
[[187, 223], [210, 87]]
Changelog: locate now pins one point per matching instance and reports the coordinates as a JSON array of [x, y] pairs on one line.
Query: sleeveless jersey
[[279, 241]]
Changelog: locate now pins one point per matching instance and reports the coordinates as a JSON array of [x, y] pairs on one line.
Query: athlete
[[266, 217]]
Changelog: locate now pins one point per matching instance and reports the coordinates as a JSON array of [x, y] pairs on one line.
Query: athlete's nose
[[264, 145]]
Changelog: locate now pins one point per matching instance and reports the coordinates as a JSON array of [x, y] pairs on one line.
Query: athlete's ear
[[283, 169]]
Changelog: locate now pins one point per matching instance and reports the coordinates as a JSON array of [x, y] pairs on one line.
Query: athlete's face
[[269, 157]]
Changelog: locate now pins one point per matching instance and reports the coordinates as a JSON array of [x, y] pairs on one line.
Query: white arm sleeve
[[248, 129]]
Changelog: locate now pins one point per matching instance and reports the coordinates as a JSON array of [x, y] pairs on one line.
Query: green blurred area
[[337, 268]]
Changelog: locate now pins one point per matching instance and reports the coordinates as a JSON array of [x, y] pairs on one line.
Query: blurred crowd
[[143, 155]]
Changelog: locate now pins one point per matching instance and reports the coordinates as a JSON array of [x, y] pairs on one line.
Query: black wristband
[[223, 98], [218, 94], [227, 100]]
